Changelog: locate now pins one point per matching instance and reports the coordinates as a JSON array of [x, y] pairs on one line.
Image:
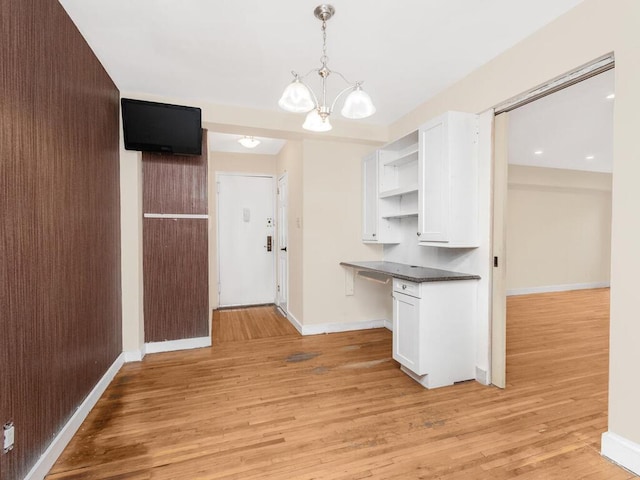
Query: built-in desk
[[433, 321], [411, 273]]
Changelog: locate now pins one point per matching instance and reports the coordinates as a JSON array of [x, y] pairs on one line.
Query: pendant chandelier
[[299, 98]]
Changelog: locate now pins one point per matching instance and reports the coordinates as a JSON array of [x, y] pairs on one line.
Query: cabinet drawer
[[406, 287]]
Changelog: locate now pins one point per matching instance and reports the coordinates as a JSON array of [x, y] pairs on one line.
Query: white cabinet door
[[370, 197], [448, 181], [433, 172], [406, 329]]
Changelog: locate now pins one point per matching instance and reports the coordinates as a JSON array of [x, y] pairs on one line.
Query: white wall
[[131, 250], [332, 185], [558, 229]]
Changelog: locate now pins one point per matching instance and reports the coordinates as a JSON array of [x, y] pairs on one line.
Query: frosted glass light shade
[[357, 105], [249, 142], [315, 123], [296, 98]]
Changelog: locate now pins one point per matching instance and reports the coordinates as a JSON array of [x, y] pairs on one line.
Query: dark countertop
[[410, 272]]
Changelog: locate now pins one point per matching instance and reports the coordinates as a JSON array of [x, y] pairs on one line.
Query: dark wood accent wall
[[176, 292], [176, 286], [60, 302], [175, 183]]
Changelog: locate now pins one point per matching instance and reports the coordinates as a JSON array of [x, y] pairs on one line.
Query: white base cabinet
[[433, 330]]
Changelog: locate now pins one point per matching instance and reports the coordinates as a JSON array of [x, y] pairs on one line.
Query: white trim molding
[[621, 451], [133, 356], [295, 322], [199, 216], [557, 288], [51, 454], [482, 376], [173, 345], [320, 328]]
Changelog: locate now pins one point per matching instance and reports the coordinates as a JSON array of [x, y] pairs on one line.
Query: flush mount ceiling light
[[299, 98], [249, 142]]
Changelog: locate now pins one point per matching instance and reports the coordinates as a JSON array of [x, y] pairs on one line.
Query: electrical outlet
[[8, 434]]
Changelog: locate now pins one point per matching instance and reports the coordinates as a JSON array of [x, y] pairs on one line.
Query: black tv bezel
[[159, 148]]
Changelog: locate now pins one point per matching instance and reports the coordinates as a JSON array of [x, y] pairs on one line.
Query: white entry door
[[246, 242], [282, 283]]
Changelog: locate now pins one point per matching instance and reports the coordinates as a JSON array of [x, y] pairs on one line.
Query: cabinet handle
[[404, 287], [418, 233], [374, 234]]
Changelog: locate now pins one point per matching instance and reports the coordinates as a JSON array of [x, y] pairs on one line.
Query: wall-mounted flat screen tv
[[161, 127]]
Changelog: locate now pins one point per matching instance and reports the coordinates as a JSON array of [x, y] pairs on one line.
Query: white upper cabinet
[[394, 195], [428, 177], [448, 181]]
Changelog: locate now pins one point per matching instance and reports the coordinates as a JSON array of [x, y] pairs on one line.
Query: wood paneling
[[60, 241], [175, 183], [337, 407], [176, 288]]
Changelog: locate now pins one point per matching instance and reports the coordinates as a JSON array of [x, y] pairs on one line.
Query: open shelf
[[399, 191], [410, 155], [401, 215]]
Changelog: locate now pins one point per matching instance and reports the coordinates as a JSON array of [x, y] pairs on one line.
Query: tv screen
[[160, 127]]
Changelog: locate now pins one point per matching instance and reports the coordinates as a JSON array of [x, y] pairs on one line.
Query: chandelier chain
[[324, 58]]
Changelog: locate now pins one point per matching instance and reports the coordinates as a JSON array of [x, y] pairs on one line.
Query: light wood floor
[[337, 407], [234, 325]]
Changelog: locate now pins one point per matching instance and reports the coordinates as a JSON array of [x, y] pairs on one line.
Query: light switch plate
[[8, 434]]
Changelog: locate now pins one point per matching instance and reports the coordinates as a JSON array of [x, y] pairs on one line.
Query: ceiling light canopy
[[249, 142], [299, 98]]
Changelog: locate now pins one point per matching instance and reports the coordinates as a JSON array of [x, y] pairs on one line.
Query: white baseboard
[[621, 451], [51, 454], [482, 376], [133, 356], [295, 322], [320, 328], [556, 288], [173, 345]]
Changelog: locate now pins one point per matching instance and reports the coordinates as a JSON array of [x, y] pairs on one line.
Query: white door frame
[[279, 223], [499, 289], [499, 272], [219, 174]]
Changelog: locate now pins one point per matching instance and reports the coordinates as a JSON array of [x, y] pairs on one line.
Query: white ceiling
[[241, 52], [226, 142], [567, 127]]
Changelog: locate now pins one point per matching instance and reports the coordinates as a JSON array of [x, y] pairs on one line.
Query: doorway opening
[[557, 157], [246, 240]]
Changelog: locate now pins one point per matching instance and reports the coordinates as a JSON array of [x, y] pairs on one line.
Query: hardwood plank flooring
[[337, 407], [235, 325]]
